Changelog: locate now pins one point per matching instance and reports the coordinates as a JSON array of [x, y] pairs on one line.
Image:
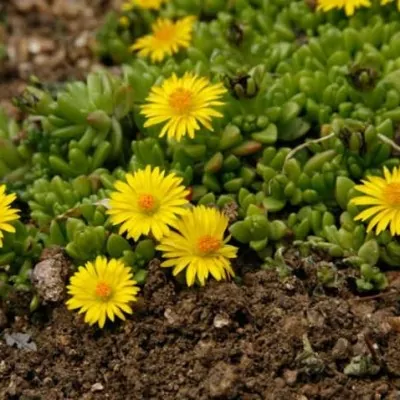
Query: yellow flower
[[145, 4], [183, 104], [148, 203], [384, 2], [167, 37], [349, 6], [7, 214], [102, 289], [382, 195], [199, 246]]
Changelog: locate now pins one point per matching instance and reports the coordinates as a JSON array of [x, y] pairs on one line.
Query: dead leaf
[[22, 340]]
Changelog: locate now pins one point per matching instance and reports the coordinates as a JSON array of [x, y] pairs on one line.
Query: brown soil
[[50, 39], [224, 341]]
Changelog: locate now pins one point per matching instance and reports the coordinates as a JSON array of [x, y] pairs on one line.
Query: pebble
[[97, 387], [221, 380], [220, 321], [290, 376], [3, 367], [341, 349], [171, 317], [49, 277]]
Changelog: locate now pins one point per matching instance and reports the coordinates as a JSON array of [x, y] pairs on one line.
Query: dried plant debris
[[23, 341]]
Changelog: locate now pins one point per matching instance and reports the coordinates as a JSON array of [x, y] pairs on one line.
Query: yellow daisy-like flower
[[7, 214], [183, 104], [382, 195], [349, 6], [199, 246], [145, 4], [384, 2], [166, 39], [102, 289], [149, 202]]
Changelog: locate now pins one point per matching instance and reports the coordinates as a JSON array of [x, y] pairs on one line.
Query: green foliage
[[17, 257], [80, 128]]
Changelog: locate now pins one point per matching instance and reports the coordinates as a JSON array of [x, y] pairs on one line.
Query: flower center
[[392, 193], [165, 33], [103, 290], [181, 101], [147, 203], [208, 244]]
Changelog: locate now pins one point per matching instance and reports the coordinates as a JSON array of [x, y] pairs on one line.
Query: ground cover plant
[[254, 142]]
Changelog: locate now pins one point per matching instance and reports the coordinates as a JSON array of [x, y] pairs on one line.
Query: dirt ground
[[262, 338], [225, 341], [50, 39]]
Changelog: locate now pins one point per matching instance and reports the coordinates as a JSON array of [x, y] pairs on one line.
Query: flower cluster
[[154, 204]]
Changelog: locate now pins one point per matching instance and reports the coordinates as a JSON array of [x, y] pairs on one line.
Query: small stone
[[315, 318], [293, 326], [83, 63], [40, 45], [310, 390], [12, 386], [222, 378], [97, 387], [49, 276], [220, 321], [204, 349], [82, 40], [279, 383], [171, 317], [34, 46], [290, 376], [47, 381], [289, 286], [245, 363], [341, 350], [28, 5], [3, 367]]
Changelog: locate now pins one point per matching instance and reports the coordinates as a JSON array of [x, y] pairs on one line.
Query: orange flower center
[[147, 203], [103, 290], [165, 33], [392, 194], [181, 101], [208, 244]]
